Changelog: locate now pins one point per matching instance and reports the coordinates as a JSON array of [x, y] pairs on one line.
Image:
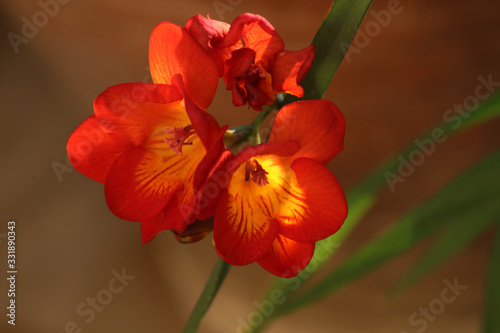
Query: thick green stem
[[214, 282]]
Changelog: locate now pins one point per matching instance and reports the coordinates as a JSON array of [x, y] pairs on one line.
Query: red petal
[[287, 257], [172, 51], [209, 33], [140, 183], [289, 70], [206, 31], [204, 124], [150, 228], [136, 110], [318, 125], [236, 68], [243, 231], [269, 148], [323, 201], [256, 33], [211, 178], [92, 150], [176, 216]]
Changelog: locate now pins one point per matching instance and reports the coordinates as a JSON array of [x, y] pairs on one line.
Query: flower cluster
[[163, 162]]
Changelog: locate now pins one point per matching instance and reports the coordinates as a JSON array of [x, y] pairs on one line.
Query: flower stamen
[[180, 135], [255, 172]]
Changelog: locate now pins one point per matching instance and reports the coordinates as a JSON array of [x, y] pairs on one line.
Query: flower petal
[[210, 179], [176, 216], [290, 68], [287, 257], [269, 148], [235, 70], [243, 229], [320, 209], [204, 124], [172, 51], [256, 33], [318, 125], [135, 110], [92, 150], [141, 182], [207, 32]]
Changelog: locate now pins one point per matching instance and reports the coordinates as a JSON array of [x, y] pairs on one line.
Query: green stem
[[213, 284], [256, 139]]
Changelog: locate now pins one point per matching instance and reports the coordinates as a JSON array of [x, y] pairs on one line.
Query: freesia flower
[[281, 198], [252, 58], [145, 141]]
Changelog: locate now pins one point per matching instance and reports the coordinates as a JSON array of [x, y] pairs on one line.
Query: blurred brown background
[[422, 62]]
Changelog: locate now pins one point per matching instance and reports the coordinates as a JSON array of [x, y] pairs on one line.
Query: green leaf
[[491, 322], [332, 40], [489, 109], [472, 197], [455, 238]]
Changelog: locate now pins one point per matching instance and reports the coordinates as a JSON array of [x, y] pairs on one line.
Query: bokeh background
[[426, 59]]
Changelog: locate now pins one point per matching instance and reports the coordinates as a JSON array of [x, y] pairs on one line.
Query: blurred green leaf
[[471, 197], [454, 239], [489, 109], [492, 309]]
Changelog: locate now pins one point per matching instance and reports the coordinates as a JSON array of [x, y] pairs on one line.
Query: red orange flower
[[145, 141], [281, 198], [252, 58], [162, 160]]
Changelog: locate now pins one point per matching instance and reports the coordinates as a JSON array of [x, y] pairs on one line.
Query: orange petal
[[289, 70], [269, 148], [92, 150], [243, 229], [320, 209], [287, 257], [172, 51], [141, 182], [136, 110], [317, 125]]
